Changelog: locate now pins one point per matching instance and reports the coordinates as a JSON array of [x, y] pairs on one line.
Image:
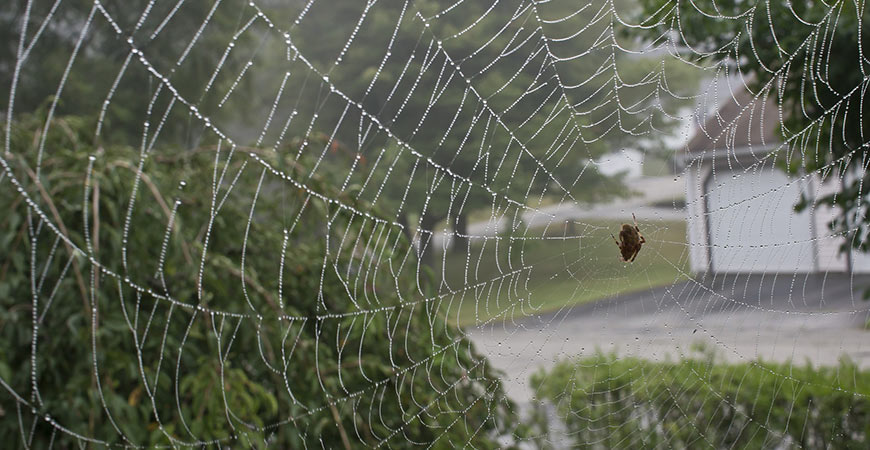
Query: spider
[[630, 241]]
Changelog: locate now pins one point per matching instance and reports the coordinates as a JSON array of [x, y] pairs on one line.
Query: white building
[[740, 205]]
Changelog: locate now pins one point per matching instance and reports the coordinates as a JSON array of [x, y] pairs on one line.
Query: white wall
[[860, 260], [753, 226], [829, 257], [826, 248]]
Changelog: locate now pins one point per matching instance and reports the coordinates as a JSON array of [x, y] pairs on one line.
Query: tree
[[808, 55], [102, 55]]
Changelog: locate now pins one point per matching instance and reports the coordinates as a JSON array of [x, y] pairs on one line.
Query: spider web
[[444, 165]]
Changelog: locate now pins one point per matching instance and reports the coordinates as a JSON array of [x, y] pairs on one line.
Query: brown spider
[[630, 241]]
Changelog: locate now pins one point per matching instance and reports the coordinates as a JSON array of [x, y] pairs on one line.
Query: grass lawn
[[504, 278]]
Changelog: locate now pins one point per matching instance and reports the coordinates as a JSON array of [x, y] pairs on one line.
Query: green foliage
[[698, 402], [516, 132], [247, 354], [104, 58]]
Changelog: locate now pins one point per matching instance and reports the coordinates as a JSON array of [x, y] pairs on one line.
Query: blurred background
[[389, 223]]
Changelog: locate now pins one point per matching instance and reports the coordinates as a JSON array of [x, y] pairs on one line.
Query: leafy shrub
[[117, 362], [611, 402]]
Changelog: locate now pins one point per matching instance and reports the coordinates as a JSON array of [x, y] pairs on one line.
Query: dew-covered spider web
[[388, 223]]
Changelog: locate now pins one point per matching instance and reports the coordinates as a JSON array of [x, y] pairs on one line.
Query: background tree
[[526, 121], [164, 37]]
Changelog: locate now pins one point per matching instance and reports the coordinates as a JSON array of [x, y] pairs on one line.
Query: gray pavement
[[802, 318]]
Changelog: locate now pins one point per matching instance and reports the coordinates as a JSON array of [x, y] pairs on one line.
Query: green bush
[[248, 355], [611, 402]]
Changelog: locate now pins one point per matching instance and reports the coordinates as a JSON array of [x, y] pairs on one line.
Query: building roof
[[742, 122]]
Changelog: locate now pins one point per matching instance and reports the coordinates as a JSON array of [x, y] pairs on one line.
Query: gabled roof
[[742, 122]]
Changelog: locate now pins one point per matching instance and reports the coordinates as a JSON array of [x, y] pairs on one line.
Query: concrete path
[[816, 318]]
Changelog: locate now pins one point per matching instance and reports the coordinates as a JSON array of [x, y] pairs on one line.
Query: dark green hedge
[[611, 402]]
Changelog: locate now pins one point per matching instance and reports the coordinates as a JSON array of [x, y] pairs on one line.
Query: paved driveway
[[801, 317]]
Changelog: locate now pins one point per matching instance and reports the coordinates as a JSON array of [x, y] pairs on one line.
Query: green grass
[[556, 271]]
